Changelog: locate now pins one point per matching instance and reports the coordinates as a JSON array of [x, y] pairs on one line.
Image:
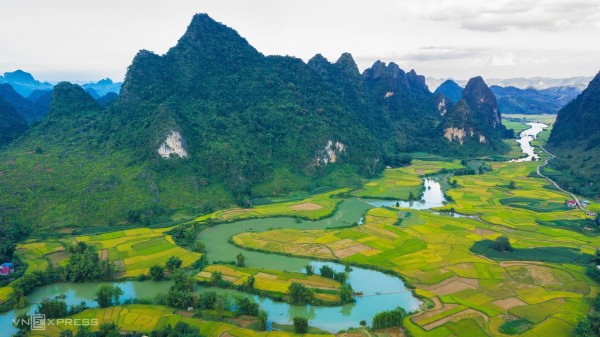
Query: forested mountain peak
[[347, 65], [450, 90], [209, 38], [475, 117], [481, 99], [68, 98], [580, 119]]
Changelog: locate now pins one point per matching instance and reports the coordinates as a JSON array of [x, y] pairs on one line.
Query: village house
[[571, 203], [585, 203], [6, 268]]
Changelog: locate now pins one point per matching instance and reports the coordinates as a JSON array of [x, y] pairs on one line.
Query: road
[[539, 172]]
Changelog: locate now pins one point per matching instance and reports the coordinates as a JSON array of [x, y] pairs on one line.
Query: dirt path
[[539, 172]]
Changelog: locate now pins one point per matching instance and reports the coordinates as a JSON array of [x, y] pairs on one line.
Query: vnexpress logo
[[35, 322], [38, 322]]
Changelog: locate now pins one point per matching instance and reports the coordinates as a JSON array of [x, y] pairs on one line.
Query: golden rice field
[[399, 183], [134, 251], [472, 294], [145, 318], [274, 281], [312, 208]]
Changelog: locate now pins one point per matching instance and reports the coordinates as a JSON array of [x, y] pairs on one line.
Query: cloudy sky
[[80, 40]]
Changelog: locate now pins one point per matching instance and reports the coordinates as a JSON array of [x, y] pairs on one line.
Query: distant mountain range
[[539, 83], [512, 100], [215, 122], [31, 98]]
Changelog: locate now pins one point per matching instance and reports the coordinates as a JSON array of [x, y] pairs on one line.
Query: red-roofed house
[[572, 203]]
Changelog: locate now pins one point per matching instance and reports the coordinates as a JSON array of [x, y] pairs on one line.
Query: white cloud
[[500, 15]]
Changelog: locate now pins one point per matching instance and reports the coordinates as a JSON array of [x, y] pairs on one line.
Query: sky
[[84, 40]]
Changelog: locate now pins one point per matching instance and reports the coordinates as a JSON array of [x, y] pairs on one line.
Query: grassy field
[[275, 282], [134, 251], [145, 318], [312, 208], [448, 259], [399, 183]]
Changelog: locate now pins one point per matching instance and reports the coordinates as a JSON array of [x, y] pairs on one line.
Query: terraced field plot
[[275, 282], [399, 183], [313, 208], [472, 292], [145, 318], [136, 250]]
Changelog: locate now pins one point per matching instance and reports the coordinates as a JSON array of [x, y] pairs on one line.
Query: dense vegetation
[[576, 141], [270, 126], [474, 122]]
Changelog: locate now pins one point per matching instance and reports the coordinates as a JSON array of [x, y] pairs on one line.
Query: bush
[[300, 324], [262, 320], [389, 318]]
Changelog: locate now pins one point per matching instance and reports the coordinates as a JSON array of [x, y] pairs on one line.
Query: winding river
[[527, 136], [382, 291]]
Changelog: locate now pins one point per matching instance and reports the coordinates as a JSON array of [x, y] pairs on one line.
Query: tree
[[309, 269], [219, 306], [512, 185], [216, 278], [207, 300], [249, 283], [300, 324], [389, 318], [341, 276], [346, 293], [300, 294], [246, 307], [181, 292], [157, 273], [17, 298], [21, 323], [173, 263], [108, 295], [240, 260], [53, 308], [66, 333], [503, 244], [263, 317], [199, 247], [326, 271]]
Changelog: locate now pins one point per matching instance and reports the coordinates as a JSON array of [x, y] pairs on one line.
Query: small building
[[8, 264], [5, 270], [571, 203], [588, 213], [585, 203]]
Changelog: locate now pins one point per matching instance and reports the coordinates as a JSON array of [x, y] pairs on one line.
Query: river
[[527, 137], [385, 291]]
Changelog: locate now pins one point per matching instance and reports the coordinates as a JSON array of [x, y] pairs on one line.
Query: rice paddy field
[[134, 251], [312, 208], [539, 289], [145, 318], [471, 289], [275, 282], [399, 183]]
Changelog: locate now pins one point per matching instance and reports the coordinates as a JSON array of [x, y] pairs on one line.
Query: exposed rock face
[[475, 116], [330, 153], [173, 144]]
